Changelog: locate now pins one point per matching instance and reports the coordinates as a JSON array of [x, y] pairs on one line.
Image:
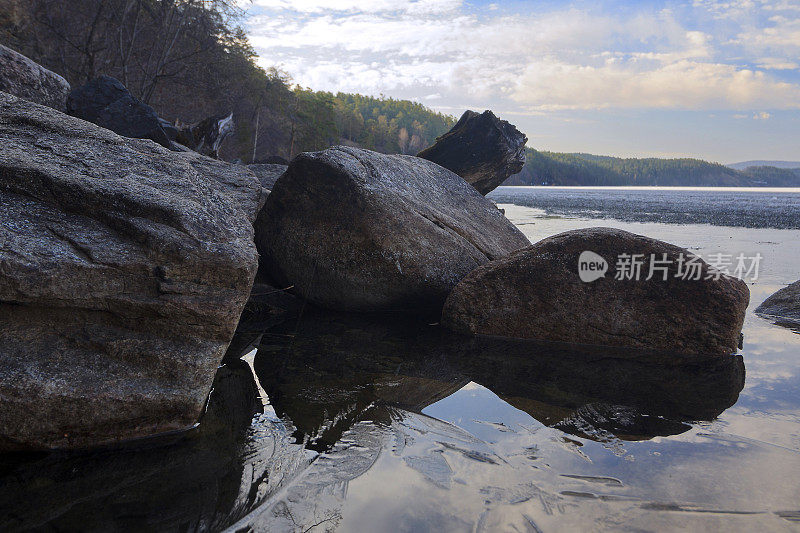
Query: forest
[[190, 59], [554, 168]]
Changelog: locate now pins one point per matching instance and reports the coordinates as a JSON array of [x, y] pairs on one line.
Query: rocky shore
[[128, 257]]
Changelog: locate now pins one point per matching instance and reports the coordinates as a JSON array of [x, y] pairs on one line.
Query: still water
[[331, 422]]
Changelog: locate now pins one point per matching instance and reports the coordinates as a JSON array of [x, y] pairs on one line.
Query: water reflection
[[356, 389], [200, 481], [335, 367]]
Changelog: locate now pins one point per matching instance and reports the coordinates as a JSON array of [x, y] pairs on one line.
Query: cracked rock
[[124, 268]]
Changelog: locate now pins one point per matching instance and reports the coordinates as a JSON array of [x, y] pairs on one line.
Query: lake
[[367, 424]]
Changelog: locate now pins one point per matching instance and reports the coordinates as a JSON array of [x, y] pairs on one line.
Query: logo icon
[[591, 266]]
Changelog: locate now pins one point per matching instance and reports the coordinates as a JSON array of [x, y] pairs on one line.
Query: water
[[366, 424], [721, 206]]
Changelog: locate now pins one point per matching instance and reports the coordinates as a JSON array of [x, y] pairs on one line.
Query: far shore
[[655, 188]]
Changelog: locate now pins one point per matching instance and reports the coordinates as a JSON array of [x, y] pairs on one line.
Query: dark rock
[[207, 136], [108, 103], [272, 160], [23, 78], [783, 306], [537, 293], [267, 174], [480, 148], [123, 272], [169, 128], [352, 229]]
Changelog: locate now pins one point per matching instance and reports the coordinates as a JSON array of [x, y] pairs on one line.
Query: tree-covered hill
[[190, 59], [554, 168]]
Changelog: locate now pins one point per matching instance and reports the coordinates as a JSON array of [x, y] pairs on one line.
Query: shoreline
[[793, 190]]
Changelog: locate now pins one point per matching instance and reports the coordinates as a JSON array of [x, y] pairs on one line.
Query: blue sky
[[714, 79]]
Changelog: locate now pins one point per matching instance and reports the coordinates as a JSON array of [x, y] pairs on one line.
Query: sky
[[713, 79]]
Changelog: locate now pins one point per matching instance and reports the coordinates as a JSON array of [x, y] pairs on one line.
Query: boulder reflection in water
[[327, 371]]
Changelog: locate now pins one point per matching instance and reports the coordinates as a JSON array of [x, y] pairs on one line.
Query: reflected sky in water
[[368, 424]]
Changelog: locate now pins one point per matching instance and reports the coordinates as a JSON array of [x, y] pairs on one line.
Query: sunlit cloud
[[564, 59]]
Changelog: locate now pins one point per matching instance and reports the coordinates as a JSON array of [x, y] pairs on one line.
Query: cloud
[[683, 84], [775, 63], [567, 58], [362, 6]]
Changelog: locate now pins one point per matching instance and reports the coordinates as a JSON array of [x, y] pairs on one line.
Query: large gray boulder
[[123, 272], [24, 78], [355, 230], [537, 293], [783, 306], [480, 148]]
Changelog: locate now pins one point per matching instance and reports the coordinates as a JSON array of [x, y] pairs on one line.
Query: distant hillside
[[759, 163], [191, 59], [554, 168]]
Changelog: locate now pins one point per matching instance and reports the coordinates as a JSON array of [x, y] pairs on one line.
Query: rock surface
[[108, 103], [238, 182], [267, 174], [536, 293], [123, 273], [355, 230], [784, 305], [480, 148], [26, 79]]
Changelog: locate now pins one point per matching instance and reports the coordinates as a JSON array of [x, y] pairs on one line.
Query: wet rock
[[108, 103], [124, 270], [537, 293], [480, 148], [267, 174], [783, 306], [355, 230], [26, 79]]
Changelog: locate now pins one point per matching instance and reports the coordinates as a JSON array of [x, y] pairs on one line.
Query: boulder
[[123, 272], [538, 293], [784, 306], [480, 148], [267, 174], [355, 230], [108, 103], [238, 182], [23, 78]]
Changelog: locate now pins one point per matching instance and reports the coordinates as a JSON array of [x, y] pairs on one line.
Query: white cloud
[[683, 84], [776, 63], [564, 59], [363, 6]]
